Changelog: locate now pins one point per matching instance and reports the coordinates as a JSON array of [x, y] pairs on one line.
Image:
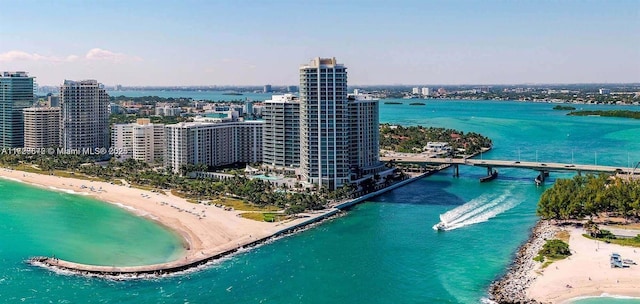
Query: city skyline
[[254, 43]]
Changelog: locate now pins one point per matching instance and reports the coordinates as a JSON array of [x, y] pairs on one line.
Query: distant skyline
[[165, 43]]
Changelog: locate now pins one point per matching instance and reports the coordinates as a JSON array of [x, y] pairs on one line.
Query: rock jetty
[[512, 287]]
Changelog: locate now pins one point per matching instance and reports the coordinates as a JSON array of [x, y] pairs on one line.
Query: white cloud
[[95, 54], [100, 54], [24, 56]]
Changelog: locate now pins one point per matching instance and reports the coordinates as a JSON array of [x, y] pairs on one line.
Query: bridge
[[543, 168]]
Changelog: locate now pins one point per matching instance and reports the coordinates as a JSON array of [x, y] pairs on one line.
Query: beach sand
[[217, 232], [587, 272]]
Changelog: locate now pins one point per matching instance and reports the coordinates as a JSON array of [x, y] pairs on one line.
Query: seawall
[[180, 265]]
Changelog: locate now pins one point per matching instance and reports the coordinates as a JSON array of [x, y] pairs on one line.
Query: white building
[[168, 111], [141, 140], [426, 92], [415, 91], [438, 148], [281, 131], [324, 123], [604, 91], [41, 127], [364, 135], [84, 115], [213, 142]]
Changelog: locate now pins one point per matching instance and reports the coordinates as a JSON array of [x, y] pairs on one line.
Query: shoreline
[[585, 274], [513, 285], [208, 233]]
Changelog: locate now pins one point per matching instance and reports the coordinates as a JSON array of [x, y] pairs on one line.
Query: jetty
[[198, 259]]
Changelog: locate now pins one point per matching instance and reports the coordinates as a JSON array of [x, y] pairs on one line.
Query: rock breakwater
[[512, 287]]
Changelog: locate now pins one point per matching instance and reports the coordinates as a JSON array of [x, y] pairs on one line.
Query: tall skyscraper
[[281, 131], [16, 93], [324, 124], [41, 127], [364, 150], [84, 119]]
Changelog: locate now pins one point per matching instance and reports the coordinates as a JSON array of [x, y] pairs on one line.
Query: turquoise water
[[383, 251]]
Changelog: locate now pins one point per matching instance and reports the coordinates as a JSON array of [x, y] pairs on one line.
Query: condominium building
[[324, 123], [168, 111], [364, 133], [415, 91], [213, 142], [426, 91], [16, 93], [281, 131], [141, 140], [41, 127], [84, 119]]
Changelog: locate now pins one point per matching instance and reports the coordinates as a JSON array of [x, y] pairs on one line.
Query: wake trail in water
[[477, 210]]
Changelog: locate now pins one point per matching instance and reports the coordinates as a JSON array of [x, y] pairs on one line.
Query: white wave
[[478, 210], [67, 191], [12, 179]]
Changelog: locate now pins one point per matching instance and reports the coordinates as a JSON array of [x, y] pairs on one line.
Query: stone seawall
[[512, 287]]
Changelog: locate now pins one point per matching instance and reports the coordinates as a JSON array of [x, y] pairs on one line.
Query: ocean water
[[382, 251]]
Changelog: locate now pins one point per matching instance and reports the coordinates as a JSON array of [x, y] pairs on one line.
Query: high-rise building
[[324, 123], [267, 88], [141, 140], [415, 91], [16, 93], [212, 143], [41, 127], [426, 92], [281, 131], [84, 115], [364, 132]]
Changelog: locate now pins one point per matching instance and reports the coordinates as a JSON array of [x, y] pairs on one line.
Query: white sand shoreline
[[206, 230], [587, 273]]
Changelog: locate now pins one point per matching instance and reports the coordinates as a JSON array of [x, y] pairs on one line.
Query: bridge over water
[[543, 168]]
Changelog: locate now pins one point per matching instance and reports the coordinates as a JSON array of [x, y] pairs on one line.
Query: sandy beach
[[587, 272], [207, 230]]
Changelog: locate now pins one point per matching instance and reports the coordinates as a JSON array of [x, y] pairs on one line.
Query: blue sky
[[263, 42]]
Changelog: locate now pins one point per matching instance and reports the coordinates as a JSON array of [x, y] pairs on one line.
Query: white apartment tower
[[426, 92], [281, 131], [364, 149], [141, 140], [84, 115], [41, 127], [324, 123], [212, 143]]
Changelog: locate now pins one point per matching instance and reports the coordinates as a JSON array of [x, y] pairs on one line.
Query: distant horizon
[[364, 85]]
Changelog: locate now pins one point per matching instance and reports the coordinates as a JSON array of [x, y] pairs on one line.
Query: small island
[[564, 108], [232, 93], [392, 102], [417, 104], [416, 139], [610, 113]]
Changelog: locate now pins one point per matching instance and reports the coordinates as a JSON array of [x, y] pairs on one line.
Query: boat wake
[[477, 210]]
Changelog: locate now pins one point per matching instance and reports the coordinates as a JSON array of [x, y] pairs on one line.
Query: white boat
[[440, 226]]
